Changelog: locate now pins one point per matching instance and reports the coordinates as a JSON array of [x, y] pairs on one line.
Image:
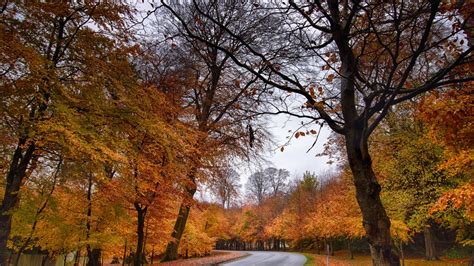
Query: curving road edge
[[270, 258]]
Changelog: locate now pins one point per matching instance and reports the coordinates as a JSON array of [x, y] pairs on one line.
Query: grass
[[342, 259]]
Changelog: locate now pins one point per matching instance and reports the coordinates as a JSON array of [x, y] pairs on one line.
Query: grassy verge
[[341, 259]]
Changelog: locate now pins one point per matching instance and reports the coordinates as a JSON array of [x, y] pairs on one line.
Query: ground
[[342, 259]]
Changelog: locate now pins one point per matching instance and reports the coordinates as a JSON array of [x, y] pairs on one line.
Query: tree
[[301, 204], [268, 182], [371, 56], [410, 166], [225, 185], [52, 61], [447, 117], [258, 186], [218, 96], [277, 179]]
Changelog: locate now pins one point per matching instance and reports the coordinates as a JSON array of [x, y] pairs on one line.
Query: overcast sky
[[295, 156]]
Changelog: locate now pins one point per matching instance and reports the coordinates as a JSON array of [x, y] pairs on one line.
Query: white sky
[[295, 157]]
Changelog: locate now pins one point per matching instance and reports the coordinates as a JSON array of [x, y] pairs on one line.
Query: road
[[271, 258]]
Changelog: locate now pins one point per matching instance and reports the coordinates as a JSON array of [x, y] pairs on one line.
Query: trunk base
[[384, 256]]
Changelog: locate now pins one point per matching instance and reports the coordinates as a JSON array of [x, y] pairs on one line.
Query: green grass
[[341, 259]]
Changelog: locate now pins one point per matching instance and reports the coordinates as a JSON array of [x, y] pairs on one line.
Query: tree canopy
[[114, 116]]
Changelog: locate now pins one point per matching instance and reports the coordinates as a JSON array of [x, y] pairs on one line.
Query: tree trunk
[[44, 260], [375, 220], [77, 258], [356, 133], [402, 254], [124, 253], [327, 254], [349, 248], [93, 257], [152, 255], [171, 252], [93, 254], [430, 245], [141, 213], [16, 174]]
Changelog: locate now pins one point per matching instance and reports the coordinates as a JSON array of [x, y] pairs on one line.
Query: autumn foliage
[[109, 132]]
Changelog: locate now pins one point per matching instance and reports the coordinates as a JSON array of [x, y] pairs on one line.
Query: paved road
[[270, 258]]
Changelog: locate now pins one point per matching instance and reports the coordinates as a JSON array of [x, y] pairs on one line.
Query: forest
[[139, 132]]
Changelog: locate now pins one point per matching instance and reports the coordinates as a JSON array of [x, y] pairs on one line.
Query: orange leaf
[[330, 77]]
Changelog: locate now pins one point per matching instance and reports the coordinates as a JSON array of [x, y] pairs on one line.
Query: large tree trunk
[[430, 245], [21, 159], [375, 220], [141, 213], [171, 252], [356, 132]]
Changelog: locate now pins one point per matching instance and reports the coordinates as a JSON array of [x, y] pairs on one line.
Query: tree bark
[[152, 255], [375, 220], [93, 257], [93, 254], [356, 132], [16, 174], [402, 254], [77, 258], [141, 213], [171, 252], [430, 245], [349, 248], [44, 260], [124, 253]]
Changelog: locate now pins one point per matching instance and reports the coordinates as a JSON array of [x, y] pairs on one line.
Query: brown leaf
[[330, 77]]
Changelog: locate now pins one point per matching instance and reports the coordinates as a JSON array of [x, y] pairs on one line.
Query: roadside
[[310, 259], [341, 259]]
